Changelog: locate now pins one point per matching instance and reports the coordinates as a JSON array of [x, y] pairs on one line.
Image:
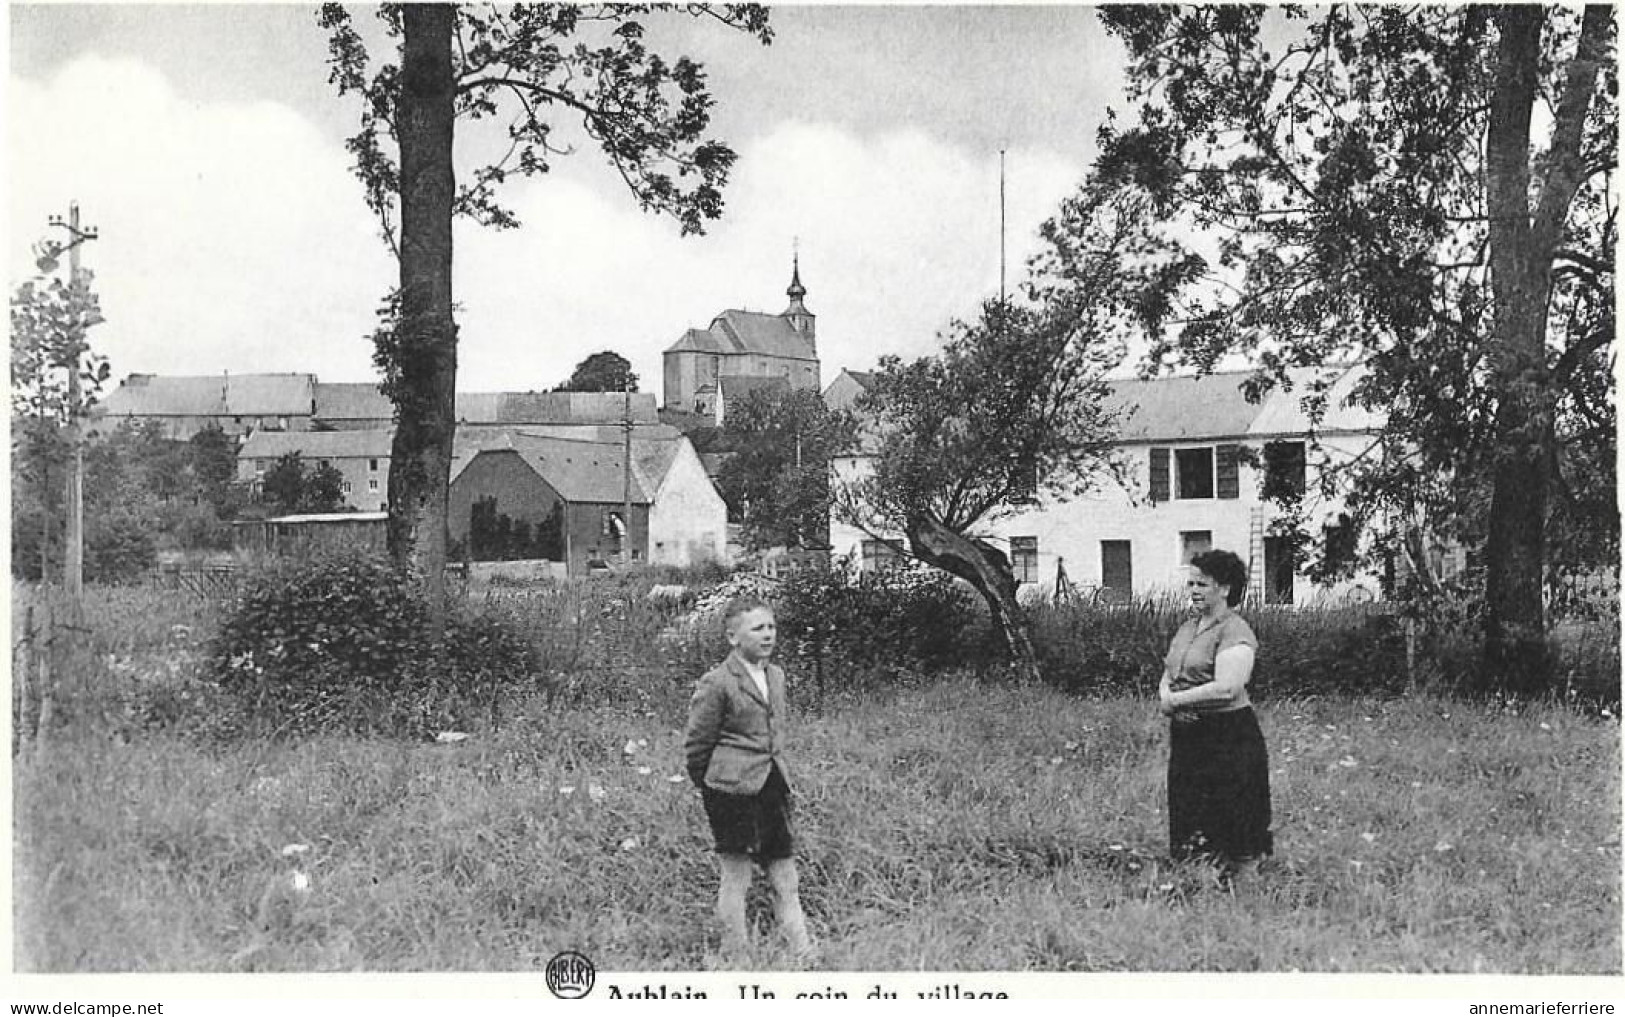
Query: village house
[[525, 474], [577, 481], [361, 457], [238, 404], [741, 351], [1195, 452]]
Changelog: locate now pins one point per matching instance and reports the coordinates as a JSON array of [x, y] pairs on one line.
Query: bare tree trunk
[[987, 569], [1523, 242], [420, 463]]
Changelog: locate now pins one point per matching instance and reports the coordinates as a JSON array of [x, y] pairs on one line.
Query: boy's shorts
[[757, 825]]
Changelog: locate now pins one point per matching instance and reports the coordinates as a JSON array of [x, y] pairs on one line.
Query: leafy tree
[[602, 372], [1010, 412], [776, 479], [648, 115], [290, 485], [50, 322], [283, 485], [212, 463], [1373, 183]]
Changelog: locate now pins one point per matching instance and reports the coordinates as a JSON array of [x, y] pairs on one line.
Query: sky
[[206, 146]]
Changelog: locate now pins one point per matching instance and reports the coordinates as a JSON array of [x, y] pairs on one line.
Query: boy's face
[[752, 634]]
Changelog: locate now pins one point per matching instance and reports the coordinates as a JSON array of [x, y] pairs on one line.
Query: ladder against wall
[[1255, 554]]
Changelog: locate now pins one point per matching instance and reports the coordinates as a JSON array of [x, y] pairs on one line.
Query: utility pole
[[1001, 227], [74, 555], [626, 455]]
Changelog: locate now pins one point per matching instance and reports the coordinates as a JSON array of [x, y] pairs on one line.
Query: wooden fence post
[[25, 664], [47, 644]]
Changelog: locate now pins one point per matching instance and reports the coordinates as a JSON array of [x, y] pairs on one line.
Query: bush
[[847, 632], [337, 642]]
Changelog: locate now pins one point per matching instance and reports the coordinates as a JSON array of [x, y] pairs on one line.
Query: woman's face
[[1206, 593]]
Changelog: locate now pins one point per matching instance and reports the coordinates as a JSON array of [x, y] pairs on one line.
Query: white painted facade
[[1155, 538], [688, 520]]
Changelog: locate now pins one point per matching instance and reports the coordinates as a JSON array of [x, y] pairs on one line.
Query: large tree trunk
[[987, 569], [1523, 243], [420, 458]]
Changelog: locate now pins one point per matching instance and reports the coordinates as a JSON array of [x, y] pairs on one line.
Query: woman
[[1218, 769]]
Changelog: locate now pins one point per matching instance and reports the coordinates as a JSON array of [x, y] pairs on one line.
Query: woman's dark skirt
[[1219, 787], [757, 825]]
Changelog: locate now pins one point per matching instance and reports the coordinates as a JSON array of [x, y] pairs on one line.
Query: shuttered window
[[1229, 474], [1159, 474]]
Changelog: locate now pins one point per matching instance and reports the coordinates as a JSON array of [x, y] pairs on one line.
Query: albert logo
[[570, 975]]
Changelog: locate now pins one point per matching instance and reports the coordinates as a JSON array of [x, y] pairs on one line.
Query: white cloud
[[234, 237], [232, 234], [898, 234]]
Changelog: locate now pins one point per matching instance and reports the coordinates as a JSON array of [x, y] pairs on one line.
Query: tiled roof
[[735, 331], [372, 444], [358, 400], [581, 468], [1173, 409], [1190, 408], [553, 407], [755, 332], [214, 395]]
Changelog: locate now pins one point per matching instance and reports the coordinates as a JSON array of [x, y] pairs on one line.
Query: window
[[345, 487], [372, 464], [1285, 471], [261, 465], [372, 486], [1279, 562], [1024, 559], [1193, 472], [1117, 568], [1209, 472], [1193, 543], [877, 554]]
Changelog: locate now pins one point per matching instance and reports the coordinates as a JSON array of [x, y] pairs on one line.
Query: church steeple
[[801, 319]]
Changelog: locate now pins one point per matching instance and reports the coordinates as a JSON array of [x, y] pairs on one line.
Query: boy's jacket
[[733, 738]]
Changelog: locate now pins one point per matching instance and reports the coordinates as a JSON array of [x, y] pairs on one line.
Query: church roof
[[735, 332]]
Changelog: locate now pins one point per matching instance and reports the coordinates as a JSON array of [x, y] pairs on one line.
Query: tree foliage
[[50, 325], [521, 67], [1012, 411], [1375, 184], [292, 485], [776, 477], [602, 372]]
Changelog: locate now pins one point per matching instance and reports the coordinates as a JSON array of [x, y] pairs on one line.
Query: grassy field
[[960, 826]]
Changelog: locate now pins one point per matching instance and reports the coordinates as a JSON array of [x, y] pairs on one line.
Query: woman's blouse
[[1198, 642]]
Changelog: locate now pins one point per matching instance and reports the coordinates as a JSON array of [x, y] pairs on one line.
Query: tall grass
[[959, 824], [960, 827]]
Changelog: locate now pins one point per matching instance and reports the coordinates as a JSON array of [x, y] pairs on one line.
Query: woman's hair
[[1225, 569]]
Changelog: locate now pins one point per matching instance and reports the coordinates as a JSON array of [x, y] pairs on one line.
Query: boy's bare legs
[[736, 875], [787, 904]]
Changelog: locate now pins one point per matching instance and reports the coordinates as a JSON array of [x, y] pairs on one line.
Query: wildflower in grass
[[630, 748], [598, 793], [450, 737], [676, 778], [1348, 762], [1443, 846], [295, 850], [644, 771], [629, 844], [568, 789], [1369, 837]]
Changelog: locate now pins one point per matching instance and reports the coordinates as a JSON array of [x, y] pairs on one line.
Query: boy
[[732, 748]]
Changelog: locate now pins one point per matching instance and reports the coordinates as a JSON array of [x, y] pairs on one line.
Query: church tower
[[801, 319]]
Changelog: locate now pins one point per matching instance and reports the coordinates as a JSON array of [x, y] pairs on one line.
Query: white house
[[678, 517], [1195, 451]]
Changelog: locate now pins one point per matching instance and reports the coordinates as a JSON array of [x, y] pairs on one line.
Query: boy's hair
[[741, 606]]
